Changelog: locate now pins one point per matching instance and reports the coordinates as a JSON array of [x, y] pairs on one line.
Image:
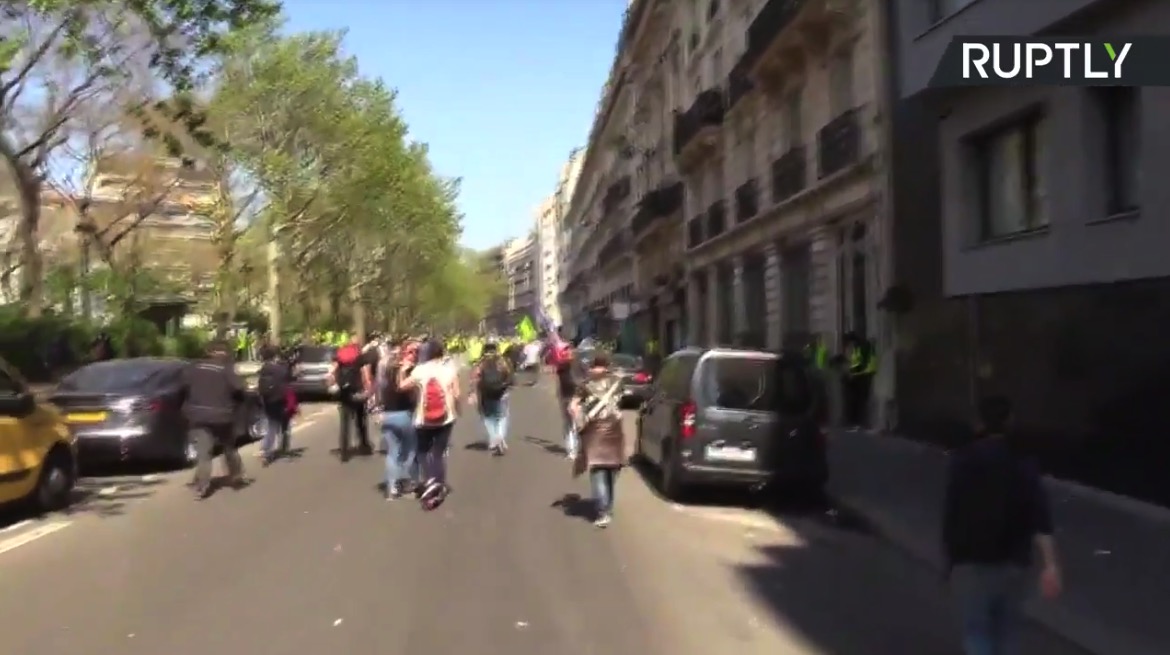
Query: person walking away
[[350, 374], [596, 412], [531, 361], [213, 392], [561, 360], [272, 385], [995, 513], [490, 381], [861, 365], [437, 389], [398, 408]]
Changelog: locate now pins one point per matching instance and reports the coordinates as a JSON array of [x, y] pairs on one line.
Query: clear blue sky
[[502, 90]]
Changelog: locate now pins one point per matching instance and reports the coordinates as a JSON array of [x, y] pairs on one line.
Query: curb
[[1072, 630]]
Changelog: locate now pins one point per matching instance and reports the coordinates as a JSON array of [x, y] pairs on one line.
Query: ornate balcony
[[839, 144], [615, 193], [616, 247], [697, 128], [658, 204], [787, 32]]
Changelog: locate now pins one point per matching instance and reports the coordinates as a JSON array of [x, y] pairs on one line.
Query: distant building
[[520, 257]]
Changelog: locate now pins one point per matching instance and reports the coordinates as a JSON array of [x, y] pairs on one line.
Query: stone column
[[712, 307], [823, 287], [694, 318], [774, 294], [738, 300]]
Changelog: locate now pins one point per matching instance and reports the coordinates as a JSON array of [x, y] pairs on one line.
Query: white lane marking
[[151, 477], [32, 535], [108, 491], [16, 526]]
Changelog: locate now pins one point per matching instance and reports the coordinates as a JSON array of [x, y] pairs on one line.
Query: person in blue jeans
[[490, 379], [996, 518], [398, 429]]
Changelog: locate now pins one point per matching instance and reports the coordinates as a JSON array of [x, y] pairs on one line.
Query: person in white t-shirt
[[436, 384]]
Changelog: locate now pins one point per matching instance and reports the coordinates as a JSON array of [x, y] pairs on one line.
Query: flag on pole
[[526, 329]]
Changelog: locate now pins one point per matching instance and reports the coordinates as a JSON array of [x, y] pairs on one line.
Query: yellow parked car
[[38, 455]]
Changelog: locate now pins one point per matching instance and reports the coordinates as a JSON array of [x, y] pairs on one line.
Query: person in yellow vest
[[861, 366], [816, 353]]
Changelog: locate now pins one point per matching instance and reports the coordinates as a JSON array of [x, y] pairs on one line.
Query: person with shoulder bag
[[596, 413], [490, 381]]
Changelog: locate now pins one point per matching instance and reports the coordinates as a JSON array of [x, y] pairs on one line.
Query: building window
[[1121, 114], [841, 83], [1009, 172], [793, 132], [940, 9]]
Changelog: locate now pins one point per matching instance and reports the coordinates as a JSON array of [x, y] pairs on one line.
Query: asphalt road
[[311, 560]]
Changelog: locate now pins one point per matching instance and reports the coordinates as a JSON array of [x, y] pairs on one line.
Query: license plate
[[86, 417], [730, 454]]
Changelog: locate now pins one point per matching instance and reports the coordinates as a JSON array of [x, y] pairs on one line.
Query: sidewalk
[[1115, 551]]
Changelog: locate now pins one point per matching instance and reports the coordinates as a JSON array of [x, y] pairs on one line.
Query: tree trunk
[[32, 283], [274, 318], [358, 309]]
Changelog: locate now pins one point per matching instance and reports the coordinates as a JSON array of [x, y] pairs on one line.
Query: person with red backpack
[[436, 387], [568, 373], [354, 383]]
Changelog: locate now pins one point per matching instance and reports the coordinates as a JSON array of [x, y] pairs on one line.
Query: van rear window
[[742, 383]]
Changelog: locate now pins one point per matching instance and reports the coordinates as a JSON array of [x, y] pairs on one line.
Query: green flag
[[526, 329]]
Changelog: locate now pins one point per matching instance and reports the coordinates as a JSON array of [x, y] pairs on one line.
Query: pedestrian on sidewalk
[[596, 412], [351, 378], [437, 387], [490, 381], [398, 408], [213, 395], [995, 513]]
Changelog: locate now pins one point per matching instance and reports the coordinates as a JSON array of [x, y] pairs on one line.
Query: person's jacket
[[213, 390]]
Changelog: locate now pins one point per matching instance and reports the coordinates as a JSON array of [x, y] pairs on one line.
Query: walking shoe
[[202, 492], [434, 495], [602, 521]]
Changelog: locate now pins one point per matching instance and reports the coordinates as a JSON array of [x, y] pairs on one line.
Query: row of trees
[[322, 211]]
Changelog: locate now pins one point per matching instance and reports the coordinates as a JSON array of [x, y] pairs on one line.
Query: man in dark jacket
[[995, 514], [213, 394]]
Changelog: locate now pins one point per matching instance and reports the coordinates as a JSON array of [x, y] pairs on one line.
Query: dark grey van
[[733, 417]]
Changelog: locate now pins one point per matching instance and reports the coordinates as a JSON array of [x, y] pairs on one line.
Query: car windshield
[[743, 383], [118, 375], [627, 362], [316, 354]]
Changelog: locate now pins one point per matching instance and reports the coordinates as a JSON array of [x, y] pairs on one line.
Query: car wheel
[[55, 486], [638, 456], [669, 484]]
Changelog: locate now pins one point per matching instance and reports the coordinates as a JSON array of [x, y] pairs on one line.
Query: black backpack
[[493, 378], [271, 386]]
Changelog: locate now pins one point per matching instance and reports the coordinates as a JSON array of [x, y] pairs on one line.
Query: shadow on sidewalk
[[847, 593]]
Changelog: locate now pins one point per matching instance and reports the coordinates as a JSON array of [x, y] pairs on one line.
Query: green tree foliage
[[361, 231], [327, 213], [59, 57]]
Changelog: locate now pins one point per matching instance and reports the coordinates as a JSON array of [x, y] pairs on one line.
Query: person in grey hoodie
[[213, 395]]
